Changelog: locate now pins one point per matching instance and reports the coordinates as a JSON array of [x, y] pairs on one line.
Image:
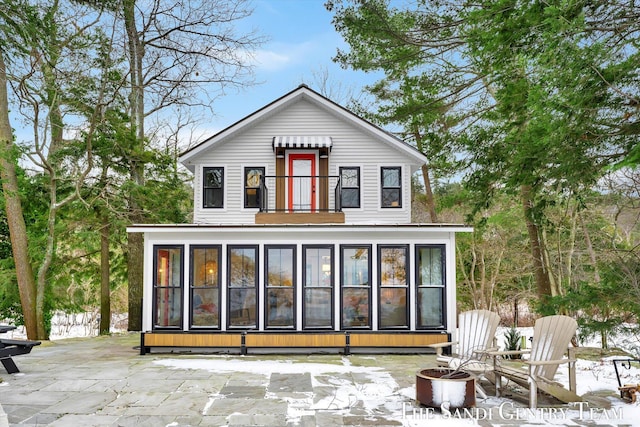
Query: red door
[[302, 182]]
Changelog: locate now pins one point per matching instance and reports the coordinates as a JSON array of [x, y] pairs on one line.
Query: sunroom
[[340, 281]]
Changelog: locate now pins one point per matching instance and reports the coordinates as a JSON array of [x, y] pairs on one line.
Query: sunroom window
[[394, 292], [167, 286], [430, 275], [280, 298], [243, 286], [318, 287], [356, 286], [205, 286]]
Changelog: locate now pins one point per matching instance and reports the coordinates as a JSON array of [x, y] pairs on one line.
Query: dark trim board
[[244, 342]]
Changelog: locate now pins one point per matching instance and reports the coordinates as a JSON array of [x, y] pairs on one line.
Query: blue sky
[[301, 42]]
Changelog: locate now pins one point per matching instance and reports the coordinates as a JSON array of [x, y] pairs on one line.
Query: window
[[252, 177], [430, 286], [392, 276], [350, 184], [167, 287], [356, 287], [391, 189], [243, 286], [280, 298], [205, 287], [318, 287], [213, 187]]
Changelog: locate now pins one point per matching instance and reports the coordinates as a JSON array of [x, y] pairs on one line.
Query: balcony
[[300, 200]]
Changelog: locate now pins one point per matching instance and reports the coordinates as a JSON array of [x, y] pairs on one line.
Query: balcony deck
[[300, 200], [300, 218]]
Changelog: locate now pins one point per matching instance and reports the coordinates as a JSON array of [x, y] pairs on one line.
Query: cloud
[[269, 60], [282, 56]]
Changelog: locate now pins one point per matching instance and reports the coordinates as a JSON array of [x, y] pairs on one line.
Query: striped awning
[[302, 142]]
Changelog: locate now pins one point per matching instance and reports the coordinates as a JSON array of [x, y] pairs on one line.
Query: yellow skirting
[[192, 340], [394, 340], [295, 340], [307, 340]]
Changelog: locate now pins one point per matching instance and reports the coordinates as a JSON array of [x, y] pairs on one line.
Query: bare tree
[[180, 54]]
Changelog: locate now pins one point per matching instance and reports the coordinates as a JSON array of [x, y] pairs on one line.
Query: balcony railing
[[300, 194]]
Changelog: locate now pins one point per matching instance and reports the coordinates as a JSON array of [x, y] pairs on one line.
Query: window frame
[[406, 287], [206, 188], [368, 287], [255, 287], [193, 288], [343, 187], [268, 287], [330, 287], [383, 187], [443, 287], [156, 288], [246, 188]]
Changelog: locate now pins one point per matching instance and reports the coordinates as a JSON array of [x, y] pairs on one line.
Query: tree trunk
[[105, 277], [15, 217], [537, 245], [431, 203], [428, 191], [56, 126], [135, 263], [136, 100], [590, 250]]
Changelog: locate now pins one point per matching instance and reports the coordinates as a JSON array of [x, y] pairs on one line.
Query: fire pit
[[435, 386]]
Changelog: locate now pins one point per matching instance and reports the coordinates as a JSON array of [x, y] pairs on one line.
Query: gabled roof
[[302, 92]]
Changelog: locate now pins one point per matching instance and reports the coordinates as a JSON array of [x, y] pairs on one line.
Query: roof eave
[[302, 92]]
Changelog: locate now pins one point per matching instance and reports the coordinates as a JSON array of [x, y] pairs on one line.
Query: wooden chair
[[551, 338], [476, 336]]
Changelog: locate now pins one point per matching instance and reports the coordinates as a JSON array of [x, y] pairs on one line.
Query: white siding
[[351, 147]]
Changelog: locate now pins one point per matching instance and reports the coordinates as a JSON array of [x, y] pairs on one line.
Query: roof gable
[[302, 92]]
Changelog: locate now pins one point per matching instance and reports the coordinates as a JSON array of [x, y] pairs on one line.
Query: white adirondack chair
[[476, 336], [551, 338]]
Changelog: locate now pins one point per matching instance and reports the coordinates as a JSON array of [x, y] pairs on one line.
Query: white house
[[302, 238]]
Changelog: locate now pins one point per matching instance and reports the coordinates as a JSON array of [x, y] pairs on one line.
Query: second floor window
[[350, 184], [252, 177], [391, 187], [213, 187]]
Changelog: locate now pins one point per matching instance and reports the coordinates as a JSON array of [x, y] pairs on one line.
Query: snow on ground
[[74, 325], [380, 393]]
